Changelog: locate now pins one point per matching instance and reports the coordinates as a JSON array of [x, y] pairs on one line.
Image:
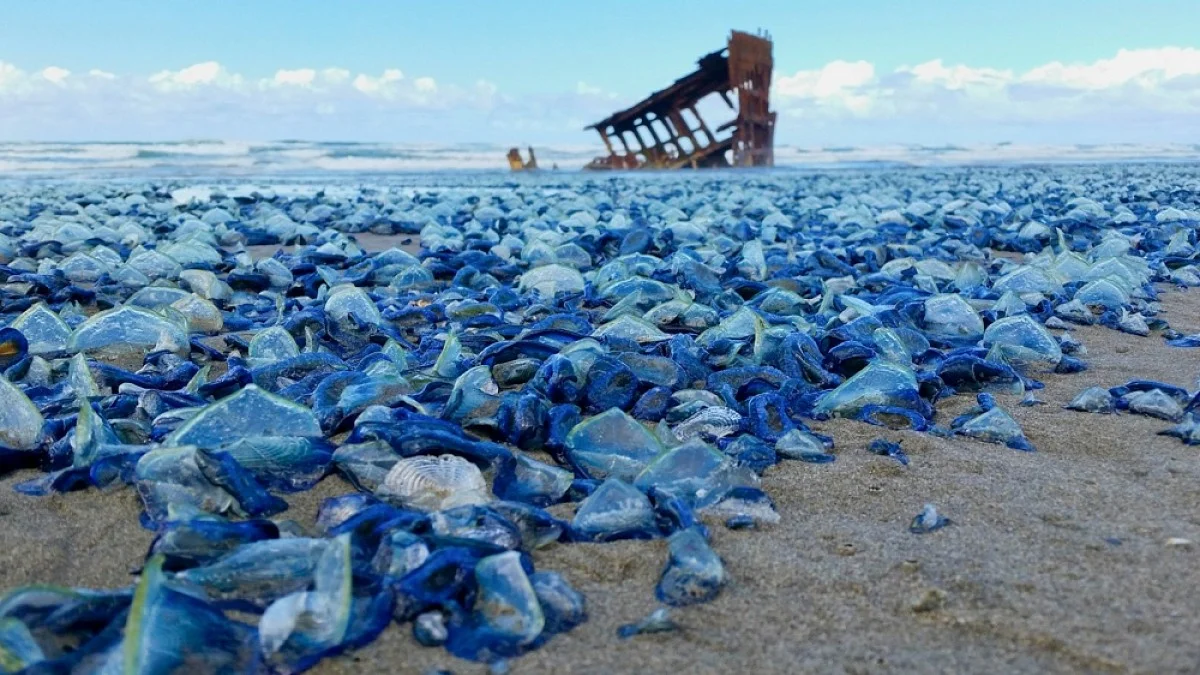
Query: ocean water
[[305, 158]]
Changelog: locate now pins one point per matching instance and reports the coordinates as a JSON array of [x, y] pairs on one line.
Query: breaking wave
[[212, 158]]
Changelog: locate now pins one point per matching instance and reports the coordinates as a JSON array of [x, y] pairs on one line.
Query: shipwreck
[[665, 130]]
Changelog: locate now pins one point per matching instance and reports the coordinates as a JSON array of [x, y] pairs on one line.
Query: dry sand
[[1056, 561]]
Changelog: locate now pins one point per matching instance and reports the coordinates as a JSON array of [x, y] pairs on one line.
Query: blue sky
[[534, 72]]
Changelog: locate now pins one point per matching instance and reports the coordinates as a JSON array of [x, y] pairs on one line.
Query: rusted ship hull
[[665, 130]]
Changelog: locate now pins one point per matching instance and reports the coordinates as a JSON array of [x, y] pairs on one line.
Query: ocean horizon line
[[296, 156]]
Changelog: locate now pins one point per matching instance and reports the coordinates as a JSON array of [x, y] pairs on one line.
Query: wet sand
[[1056, 562]]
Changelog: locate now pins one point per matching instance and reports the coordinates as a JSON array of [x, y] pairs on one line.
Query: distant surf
[[281, 158]]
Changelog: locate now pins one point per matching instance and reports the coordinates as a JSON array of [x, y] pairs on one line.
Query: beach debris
[[545, 367], [14, 347]]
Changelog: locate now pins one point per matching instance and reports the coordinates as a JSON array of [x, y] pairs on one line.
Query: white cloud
[[209, 73], [303, 77], [10, 75], [839, 85], [335, 75], [210, 100], [594, 96], [382, 85], [1108, 99], [833, 80], [55, 74], [1144, 67], [1151, 92], [937, 73], [585, 89]]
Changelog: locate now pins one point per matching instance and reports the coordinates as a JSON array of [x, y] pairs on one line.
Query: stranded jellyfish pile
[[533, 364]]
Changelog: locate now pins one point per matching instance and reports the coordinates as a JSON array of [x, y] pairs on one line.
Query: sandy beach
[[640, 251], [1057, 561]]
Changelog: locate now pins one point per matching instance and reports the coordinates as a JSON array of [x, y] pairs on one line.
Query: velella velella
[[20, 421], [616, 510], [130, 328], [879, 384], [169, 631], [658, 621], [272, 437], [805, 446], [42, 329], [434, 483], [1187, 430], [533, 482], [950, 317], [694, 573], [542, 368], [18, 648], [992, 424], [563, 607], [1022, 339], [694, 472], [928, 520], [1093, 400], [298, 629], [1154, 403], [886, 448], [552, 279], [611, 444], [507, 615]]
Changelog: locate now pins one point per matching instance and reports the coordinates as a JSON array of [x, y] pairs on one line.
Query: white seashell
[[434, 483]]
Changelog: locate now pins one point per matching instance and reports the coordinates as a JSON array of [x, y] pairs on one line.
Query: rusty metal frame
[[741, 69]]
